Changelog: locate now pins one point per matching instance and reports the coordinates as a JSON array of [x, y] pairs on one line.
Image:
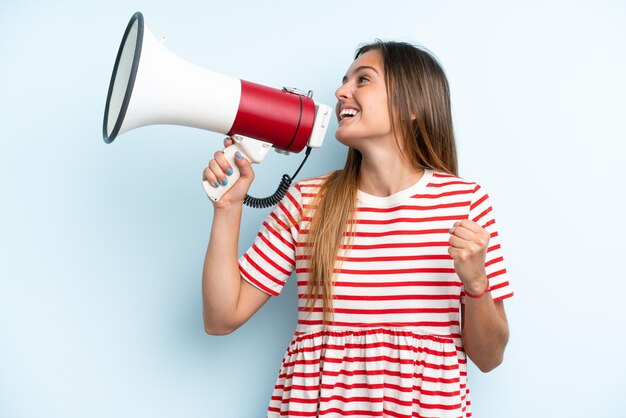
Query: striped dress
[[393, 348]]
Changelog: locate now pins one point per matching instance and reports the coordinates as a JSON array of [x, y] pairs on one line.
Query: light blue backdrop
[[101, 246]]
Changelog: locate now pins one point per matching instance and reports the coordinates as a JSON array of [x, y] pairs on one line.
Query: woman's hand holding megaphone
[[228, 176]]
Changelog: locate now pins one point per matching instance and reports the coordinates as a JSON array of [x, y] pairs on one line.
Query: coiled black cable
[[281, 191]]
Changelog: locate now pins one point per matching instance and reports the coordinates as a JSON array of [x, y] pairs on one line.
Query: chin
[[344, 138]]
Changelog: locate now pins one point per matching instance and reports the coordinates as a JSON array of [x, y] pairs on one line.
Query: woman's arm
[[227, 300], [485, 330]]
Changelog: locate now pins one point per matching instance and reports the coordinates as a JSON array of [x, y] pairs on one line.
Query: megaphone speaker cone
[[123, 78]]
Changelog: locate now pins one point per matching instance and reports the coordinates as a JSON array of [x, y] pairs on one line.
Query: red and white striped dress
[[394, 346]]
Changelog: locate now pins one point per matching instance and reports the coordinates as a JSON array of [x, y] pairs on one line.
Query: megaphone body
[[151, 85]]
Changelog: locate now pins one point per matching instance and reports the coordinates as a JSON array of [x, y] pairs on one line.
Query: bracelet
[[487, 289]]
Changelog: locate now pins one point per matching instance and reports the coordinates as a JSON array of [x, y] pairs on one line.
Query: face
[[362, 109]]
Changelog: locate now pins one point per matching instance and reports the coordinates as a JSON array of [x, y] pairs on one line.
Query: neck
[[385, 172]]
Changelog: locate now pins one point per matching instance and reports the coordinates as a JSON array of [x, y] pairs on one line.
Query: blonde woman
[[398, 262]]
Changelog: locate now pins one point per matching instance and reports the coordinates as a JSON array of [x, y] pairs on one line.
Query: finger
[[471, 225], [454, 227], [218, 172], [245, 168], [464, 233], [456, 253], [228, 141], [210, 177], [223, 163], [460, 243]]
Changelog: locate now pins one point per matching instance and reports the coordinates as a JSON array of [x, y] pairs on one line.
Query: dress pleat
[[372, 372]]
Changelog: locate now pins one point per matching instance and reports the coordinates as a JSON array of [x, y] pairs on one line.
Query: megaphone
[[150, 85]]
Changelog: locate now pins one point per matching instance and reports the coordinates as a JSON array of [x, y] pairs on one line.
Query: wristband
[[487, 289]]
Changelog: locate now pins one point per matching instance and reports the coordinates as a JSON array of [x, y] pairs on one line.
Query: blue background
[[101, 246]]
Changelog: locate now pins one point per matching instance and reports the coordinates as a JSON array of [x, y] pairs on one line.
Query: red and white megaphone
[[150, 85]]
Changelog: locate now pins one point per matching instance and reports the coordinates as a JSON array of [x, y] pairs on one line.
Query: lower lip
[[345, 119]]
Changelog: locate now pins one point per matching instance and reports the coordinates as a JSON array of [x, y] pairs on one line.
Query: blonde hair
[[419, 100]]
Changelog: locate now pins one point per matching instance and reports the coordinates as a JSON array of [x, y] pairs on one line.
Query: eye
[[362, 79]]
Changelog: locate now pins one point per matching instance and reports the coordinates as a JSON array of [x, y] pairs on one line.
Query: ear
[[413, 117]]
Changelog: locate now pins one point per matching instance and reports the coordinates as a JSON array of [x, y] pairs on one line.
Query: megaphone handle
[[215, 193]]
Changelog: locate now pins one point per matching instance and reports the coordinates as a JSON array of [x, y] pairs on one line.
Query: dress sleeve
[[482, 213], [269, 262]]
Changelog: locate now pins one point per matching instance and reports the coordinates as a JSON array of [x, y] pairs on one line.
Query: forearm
[[485, 331], [221, 280]]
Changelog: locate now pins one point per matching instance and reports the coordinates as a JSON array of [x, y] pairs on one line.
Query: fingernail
[[216, 185], [229, 171], [225, 140], [224, 182], [452, 229], [239, 156]]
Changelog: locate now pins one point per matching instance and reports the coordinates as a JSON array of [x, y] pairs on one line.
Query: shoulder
[[445, 184], [310, 186], [479, 200], [301, 193], [441, 179]]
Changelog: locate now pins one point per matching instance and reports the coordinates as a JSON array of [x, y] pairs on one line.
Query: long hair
[[419, 101]]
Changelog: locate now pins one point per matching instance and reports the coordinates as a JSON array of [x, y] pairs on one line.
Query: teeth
[[348, 112]]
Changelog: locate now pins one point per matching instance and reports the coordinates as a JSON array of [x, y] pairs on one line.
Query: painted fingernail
[[224, 182], [229, 171], [239, 156], [226, 140], [216, 185], [452, 229]]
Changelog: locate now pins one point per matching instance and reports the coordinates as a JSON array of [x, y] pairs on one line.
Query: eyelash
[[360, 79]]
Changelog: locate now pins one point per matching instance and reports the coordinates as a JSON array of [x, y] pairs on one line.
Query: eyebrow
[[362, 67]]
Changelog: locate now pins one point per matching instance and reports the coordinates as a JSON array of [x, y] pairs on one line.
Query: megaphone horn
[[150, 85]]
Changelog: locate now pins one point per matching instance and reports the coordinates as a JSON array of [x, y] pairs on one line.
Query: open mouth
[[347, 114]]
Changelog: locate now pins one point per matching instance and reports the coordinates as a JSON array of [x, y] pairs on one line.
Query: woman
[[398, 262]]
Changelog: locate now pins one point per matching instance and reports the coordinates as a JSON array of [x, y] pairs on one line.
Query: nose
[[343, 92]]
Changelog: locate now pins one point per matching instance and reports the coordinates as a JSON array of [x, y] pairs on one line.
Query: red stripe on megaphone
[[282, 118]]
